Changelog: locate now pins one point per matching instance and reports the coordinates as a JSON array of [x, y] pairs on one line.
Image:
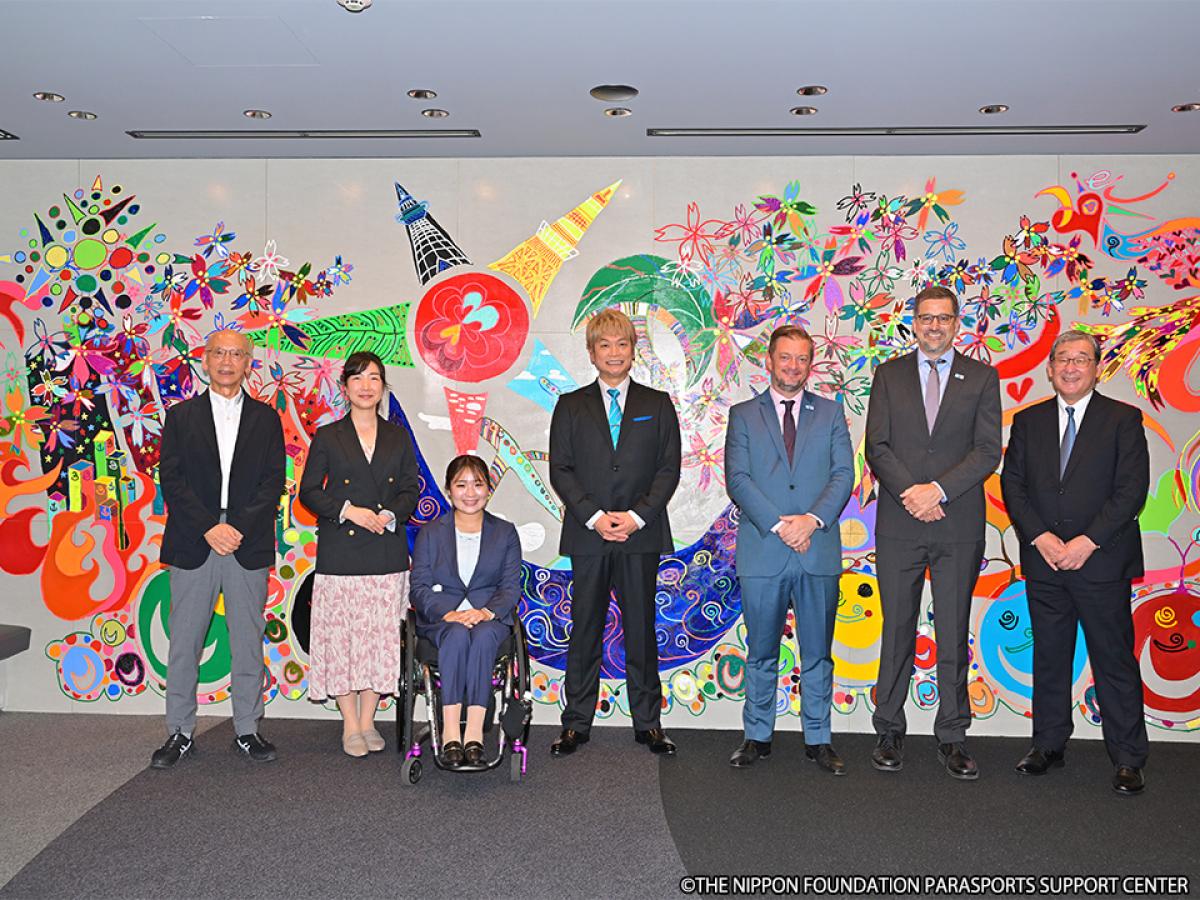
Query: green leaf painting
[[641, 280], [382, 331]]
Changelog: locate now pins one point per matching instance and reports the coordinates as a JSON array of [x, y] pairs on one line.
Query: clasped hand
[[924, 502], [223, 538], [615, 526], [796, 531], [468, 617], [1064, 556], [368, 519]]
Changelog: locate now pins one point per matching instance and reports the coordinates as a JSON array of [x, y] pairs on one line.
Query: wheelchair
[[510, 695]]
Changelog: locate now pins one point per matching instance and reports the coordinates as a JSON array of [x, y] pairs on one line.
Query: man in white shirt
[[221, 470]]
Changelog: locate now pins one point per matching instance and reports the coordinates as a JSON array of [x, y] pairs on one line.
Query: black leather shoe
[[1039, 762], [1128, 781], [826, 757], [656, 739], [568, 742], [255, 747], [473, 753], [958, 762], [175, 749], [750, 752], [888, 755], [453, 755]]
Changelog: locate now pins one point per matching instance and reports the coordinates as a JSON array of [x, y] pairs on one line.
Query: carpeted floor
[[612, 821]]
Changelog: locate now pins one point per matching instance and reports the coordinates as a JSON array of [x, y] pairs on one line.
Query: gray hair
[[1076, 335]]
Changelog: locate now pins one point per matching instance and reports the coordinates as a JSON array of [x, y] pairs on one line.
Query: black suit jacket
[[641, 474], [962, 451], [495, 583], [1100, 494], [189, 473], [336, 471]]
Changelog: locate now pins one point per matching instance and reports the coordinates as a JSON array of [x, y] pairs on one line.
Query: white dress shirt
[[227, 416], [623, 389], [468, 558]]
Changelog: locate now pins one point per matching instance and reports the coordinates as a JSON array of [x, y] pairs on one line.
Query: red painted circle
[[471, 326]]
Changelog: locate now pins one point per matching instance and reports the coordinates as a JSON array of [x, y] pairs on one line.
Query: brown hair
[[935, 292], [467, 461], [789, 331]]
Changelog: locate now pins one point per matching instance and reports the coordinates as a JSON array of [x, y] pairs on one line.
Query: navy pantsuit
[[465, 655]]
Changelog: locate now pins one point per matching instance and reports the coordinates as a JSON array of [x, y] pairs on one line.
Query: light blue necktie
[[1068, 443], [614, 415]]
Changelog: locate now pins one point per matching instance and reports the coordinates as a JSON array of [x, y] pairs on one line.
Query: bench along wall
[[472, 279]]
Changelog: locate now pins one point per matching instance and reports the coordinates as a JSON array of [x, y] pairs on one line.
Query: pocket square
[[437, 588], [642, 418]]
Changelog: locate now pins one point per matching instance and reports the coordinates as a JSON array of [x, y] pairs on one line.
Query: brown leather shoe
[[749, 752], [826, 757], [1128, 781]]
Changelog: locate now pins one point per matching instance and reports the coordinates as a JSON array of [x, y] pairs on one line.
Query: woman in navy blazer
[[466, 580]]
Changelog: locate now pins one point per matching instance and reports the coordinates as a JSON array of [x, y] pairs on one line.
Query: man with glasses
[[221, 469], [933, 437], [1075, 478]]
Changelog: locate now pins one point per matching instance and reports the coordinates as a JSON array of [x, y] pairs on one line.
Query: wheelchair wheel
[[514, 767], [410, 771]]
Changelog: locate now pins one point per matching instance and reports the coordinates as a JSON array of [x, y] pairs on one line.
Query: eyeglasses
[[1079, 362], [227, 353], [940, 318]]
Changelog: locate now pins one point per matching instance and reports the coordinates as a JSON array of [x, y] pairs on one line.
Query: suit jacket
[[336, 471], [1100, 494], [640, 474], [962, 451], [189, 473], [763, 485], [435, 587]]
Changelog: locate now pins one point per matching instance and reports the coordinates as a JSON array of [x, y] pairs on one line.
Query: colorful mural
[[111, 317]]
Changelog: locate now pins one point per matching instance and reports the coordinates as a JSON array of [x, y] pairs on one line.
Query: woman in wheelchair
[[465, 583]]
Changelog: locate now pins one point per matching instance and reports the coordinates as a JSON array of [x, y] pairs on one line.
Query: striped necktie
[[614, 415]]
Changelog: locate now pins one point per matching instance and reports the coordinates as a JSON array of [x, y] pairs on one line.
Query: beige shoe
[[373, 740], [355, 746]]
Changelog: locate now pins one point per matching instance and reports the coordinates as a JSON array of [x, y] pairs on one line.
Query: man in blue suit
[[790, 468]]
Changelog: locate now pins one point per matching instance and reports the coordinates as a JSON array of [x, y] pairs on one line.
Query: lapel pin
[[958, 375], [808, 406]]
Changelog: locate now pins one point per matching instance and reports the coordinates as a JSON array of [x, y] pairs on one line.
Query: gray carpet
[[57, 767], [320, 824], [784, 816]]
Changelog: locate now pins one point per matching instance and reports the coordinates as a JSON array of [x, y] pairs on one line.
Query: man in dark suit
[[1075, 478], [933, 438], [790, 468], [614, 461], [222, 474]]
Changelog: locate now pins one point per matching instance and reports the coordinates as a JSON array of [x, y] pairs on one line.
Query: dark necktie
[[1068, 443], [789, 429]]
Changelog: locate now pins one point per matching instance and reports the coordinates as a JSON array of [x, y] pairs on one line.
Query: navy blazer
[[760, 481], [435, 587], [336, 471]]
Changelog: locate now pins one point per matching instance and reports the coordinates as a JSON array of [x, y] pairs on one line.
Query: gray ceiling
[[519, 73]]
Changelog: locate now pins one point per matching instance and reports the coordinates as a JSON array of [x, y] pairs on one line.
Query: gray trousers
[[194, 595]]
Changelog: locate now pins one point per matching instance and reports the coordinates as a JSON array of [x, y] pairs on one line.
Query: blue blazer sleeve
[[504, 598]]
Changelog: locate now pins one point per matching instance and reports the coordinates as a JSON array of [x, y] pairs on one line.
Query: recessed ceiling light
[[49, 97], [618, 112], [896, 131], [614, 93], [81, 114], [993, 108], [433, 113], [812, 90], [804, 110], [257, 134], [1186, 107], [422, 94], [256, 114]]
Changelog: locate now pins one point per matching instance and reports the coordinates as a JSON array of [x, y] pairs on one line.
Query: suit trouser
[[764, 604], [466, 659], [633, 577], [953, 570], [1057, 606], [194, 595]]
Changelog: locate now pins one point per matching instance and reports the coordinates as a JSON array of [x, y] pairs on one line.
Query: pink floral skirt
[[354, 642]]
